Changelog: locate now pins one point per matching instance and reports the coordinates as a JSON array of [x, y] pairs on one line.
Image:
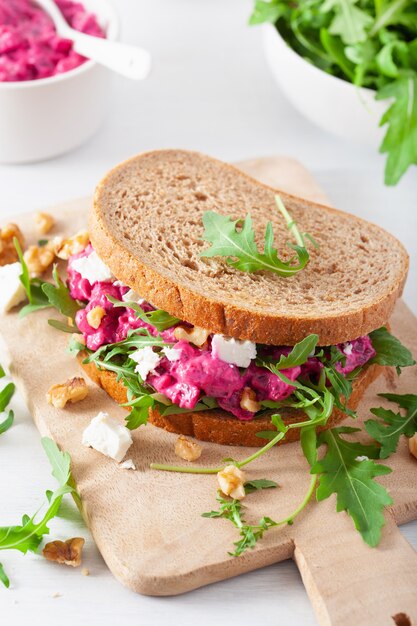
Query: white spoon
[[130, 61]]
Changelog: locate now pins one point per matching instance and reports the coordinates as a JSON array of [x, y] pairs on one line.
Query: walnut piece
[[248, 401], [73, 390], [412, 444], [64, 248], [39, 258], [66, 552], [186, 449], [231, 482], [195, 335], [44, 222], [95, 316], [8, 253]]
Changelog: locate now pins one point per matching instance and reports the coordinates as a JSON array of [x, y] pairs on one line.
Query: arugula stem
[[307, 497], [291, 225]]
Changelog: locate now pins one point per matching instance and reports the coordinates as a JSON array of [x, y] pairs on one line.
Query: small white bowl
[[333, 104], [40, 119]]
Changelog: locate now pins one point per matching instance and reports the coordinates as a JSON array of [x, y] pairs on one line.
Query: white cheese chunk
[[146, 360], [362, 458], [92, 268], [12, 291], [128, 464], [233, 351], [347, 349], [132, 296], [106, 435], [172, 354]]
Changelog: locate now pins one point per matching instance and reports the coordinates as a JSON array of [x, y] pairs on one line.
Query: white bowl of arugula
[[349, 67]]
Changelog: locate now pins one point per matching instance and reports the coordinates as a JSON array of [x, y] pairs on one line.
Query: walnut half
[[44, 222], [186, 449], [248, 401], [195, 335], [64, 248], [73, 390], [8, 253], [39, 258], [66, 552], [231, 482]]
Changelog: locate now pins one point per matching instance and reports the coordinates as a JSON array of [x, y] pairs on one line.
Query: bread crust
[[225, 317], [218, 426]]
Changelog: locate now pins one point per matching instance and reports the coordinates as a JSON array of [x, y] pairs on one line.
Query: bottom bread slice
[[218, 426]]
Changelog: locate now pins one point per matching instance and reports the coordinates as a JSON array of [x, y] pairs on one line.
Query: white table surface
[[211, 91]]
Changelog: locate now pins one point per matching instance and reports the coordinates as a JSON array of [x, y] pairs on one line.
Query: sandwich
[[214, 306]]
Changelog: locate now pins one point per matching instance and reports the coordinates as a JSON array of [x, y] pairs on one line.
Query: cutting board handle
[[351, 584]]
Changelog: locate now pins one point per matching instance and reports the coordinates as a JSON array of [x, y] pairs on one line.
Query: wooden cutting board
[[148, 524]]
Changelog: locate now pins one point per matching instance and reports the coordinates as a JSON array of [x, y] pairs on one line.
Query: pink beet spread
[[30, 48], [197, 372]]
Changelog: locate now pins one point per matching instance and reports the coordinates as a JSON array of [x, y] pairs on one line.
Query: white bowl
[[333, 104], [40, 119]]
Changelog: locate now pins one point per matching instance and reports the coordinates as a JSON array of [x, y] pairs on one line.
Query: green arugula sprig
[[389, 350], [390, 426], [232, 510], [235, 240], [28, 535], [6, 395], [352, 481], [42, 295], [370, 44], [340, 470], [159, 319]]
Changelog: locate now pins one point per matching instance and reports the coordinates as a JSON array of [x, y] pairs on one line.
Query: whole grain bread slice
[[218, 426], [146, 224]]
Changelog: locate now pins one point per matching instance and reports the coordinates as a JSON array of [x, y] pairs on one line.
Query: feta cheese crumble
[[92, 268], [128, 464], [233, 351], [146, 360], [132, 296], [106, 435], [12, 291], [172, 354]]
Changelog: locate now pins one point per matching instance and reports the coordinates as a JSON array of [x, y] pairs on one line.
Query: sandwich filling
[[189, 363]]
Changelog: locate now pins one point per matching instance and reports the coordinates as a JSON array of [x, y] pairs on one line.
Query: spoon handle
[[130, 61]]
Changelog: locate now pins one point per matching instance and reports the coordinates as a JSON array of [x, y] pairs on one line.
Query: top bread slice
[[146, 224]]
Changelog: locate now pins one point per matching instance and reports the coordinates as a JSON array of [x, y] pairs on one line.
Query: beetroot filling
[[197, 372], [30, 47]]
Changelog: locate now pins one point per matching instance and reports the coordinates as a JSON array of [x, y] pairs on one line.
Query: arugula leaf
[[400, 141], [259, 484], [308, 439], [59, 297], [298, 355], [349, 21], [74, 346], [232, 510], [64, 327], [139, 414], [227, 241], [353, 482], [265, 11], [391, 426], [27, 536], [7, 423], [3, 577], [370, 44], [159, 319], [6, 395], [33, 286], [389, 350]]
